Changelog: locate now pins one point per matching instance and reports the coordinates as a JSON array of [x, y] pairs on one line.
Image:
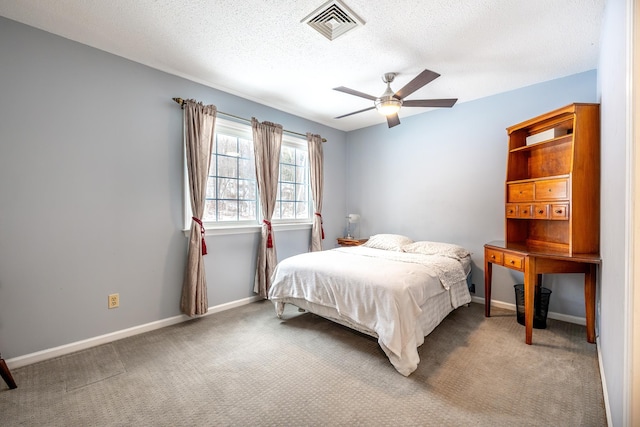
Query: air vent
[[333, 19]]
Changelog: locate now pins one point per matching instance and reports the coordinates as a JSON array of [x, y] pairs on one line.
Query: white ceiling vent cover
[[333, 19]]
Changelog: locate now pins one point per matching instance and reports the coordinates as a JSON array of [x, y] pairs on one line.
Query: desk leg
[[487, 288], [530, 281], [590, 302]]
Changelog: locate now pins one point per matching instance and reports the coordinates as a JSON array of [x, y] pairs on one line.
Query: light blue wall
[[91, 179], [615, 201], [440, 176], [91, 190]]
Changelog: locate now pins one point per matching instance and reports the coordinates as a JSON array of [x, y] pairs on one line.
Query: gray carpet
[[246, 367]]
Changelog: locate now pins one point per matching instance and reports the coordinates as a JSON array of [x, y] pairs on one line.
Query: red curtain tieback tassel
[[204, 244], [321, 224], [269, 240]]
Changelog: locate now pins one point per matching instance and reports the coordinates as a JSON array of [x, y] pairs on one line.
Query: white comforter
[[380, 290]]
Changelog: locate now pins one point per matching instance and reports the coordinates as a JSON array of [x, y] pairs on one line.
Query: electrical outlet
[[114, 301]]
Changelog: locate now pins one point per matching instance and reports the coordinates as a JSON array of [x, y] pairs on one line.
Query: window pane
[[228, 210], [288, 210], [301, 175], [211, 188], [246, 148], [301, 158], [301, 193], [302, 210], [276, 211], [248, 211], [247, 190], [227, 166], [213, 166], [209, 211], [227, 188], [227, 145], [287, 173], [287, 192], [287, 155], [246, 169]]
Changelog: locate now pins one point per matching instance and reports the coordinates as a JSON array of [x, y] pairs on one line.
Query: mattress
[[399, 298]]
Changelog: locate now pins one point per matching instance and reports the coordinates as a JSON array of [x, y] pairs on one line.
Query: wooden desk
[[533, 265]]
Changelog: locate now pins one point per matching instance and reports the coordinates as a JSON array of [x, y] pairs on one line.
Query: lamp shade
[[386, 107], [388, 104], [353, 218]]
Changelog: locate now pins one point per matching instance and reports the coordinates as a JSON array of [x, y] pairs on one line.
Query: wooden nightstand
[[344, 241]]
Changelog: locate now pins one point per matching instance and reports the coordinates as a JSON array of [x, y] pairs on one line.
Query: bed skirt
[[433, 312]]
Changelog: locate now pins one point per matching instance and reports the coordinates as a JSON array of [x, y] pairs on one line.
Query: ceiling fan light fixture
[[388, 105]]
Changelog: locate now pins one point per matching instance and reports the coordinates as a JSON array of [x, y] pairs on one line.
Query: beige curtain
[[316, 171], [199, 123], [267, 140]]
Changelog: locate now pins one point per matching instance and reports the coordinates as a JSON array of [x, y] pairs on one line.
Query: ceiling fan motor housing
[[388, 77]]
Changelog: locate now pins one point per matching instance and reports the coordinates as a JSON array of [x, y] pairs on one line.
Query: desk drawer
[[513, 261], [494, 256], [559, 211], [524, 211], [552, 189], [541, 211], [520, 192]]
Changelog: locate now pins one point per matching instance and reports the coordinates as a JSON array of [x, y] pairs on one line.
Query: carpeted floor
[[246, 367]]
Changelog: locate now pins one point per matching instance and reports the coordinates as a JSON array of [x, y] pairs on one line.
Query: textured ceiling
[[259, 49]]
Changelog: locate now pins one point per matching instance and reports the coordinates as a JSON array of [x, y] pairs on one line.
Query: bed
[[390, 288]]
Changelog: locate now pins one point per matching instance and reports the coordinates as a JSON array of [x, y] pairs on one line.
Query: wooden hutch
[[552, 204]]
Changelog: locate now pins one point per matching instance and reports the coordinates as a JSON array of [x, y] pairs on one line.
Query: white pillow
[[389, 242], [436, 248]]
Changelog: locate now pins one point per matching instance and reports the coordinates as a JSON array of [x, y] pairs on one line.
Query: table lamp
[[351, 219]]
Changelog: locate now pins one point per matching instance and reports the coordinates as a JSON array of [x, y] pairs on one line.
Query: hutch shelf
[[552, 190]]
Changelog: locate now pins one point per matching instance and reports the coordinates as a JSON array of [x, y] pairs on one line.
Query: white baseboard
[[603, 380], [551, 315], [62, 350]]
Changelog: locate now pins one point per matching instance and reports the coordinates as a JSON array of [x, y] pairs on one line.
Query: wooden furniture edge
[[6, 374]]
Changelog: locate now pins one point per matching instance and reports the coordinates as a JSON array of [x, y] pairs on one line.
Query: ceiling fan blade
[[355, 112], [418, 81], [430, 102], [354, 92], [393, 120]]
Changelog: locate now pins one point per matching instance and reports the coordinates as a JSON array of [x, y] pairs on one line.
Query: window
[[232, 189], [292, 200]]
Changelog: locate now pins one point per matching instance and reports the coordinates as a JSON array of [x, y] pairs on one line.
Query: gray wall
[[615, 201], [440, 176], [91, 179]]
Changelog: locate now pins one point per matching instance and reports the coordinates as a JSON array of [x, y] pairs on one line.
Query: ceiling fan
[[388, 104]]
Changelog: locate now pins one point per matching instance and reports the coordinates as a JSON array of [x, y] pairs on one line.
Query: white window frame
[[243, 130], [299, 144]]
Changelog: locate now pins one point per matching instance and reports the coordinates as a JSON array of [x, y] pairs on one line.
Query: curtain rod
[[181, 102]]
